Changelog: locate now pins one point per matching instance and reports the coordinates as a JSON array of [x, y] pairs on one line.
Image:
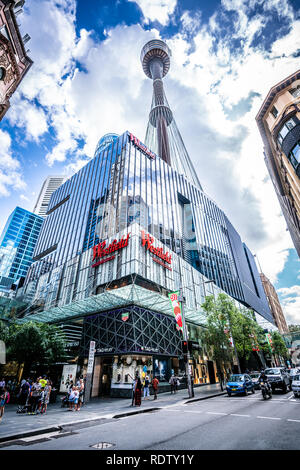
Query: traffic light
[[185, 347]]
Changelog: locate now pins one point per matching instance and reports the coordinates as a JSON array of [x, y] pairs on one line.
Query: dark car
[[278, 378], [239, 383]]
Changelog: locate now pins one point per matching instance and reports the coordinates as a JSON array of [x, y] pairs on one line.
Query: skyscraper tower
[[162, 135]]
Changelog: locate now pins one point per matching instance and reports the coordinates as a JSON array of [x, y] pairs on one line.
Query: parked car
[[254, 377], [239, 383], [292, 373], [296, 385], [278, 378]]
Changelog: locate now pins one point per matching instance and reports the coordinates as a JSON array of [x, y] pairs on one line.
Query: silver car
[[296, 385]]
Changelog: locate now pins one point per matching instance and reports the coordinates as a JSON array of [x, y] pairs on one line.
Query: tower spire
[[162, 135]]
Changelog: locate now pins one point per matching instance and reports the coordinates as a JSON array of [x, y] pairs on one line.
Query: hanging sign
[[165, 259], [91, 358], [176, 307], [269, 340], [141, 146], [103, 253]]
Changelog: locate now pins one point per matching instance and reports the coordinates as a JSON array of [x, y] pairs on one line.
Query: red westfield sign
[[105, 253], [148, 241], [141, 146]]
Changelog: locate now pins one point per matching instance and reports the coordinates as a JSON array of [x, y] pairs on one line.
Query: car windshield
[[254, 376], [272, 371], [296, 377], [236, 378]]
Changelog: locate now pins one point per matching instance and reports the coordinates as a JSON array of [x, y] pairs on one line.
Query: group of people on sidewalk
[[138, 387], [75, 395], [33, 396]]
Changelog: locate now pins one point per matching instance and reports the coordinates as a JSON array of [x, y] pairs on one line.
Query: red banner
[[176, 309]]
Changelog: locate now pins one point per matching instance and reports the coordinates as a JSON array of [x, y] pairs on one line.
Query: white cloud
[[290, 302], [10, 172], [159, 10]]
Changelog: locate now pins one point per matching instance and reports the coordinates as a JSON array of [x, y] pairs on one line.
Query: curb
[[60, 427], [205, 398], [147, 410]]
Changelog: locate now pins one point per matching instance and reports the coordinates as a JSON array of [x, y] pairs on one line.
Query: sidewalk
[[15, 425]]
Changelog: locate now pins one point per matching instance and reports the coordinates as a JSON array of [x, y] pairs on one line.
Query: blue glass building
[[17, 243]]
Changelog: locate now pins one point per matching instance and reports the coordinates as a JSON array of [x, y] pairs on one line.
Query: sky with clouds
[[87, 80]]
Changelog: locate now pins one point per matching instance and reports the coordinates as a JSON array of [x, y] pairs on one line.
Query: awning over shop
[[110, 299], [11, 308]]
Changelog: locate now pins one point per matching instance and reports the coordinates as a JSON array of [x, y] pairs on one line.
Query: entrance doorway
[[211, 372], [102, 376]]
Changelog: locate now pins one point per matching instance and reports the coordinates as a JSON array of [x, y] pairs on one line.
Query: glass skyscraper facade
[[131, 227], [123, 185], [17, 243], [121, 234]]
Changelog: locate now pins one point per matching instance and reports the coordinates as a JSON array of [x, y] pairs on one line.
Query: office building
[[14, 61], [49, 186], [278, 121], [274, 304], [17, 243]]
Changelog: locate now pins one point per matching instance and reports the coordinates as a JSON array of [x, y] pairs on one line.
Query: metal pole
[[185, 338]]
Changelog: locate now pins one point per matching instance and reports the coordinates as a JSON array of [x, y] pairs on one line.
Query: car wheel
[[246, 392], [229, 394]]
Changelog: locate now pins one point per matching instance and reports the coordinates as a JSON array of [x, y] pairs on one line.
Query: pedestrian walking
[[23, 394], [35, 395], [45, 397], [146, 387], [172, 382], [71, 398], [134, 381], [138, 393], [2, 383], [4, 398], [81, 393], [177, 384], [155, 384]]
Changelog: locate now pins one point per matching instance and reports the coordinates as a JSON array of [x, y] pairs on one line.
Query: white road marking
[[41, 436], [294, 420], [215, 413], [266, 417], [191, 411], [235, 414]]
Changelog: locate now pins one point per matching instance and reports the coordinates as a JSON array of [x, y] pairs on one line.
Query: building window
[[2, 73], [285, 129], [295, 92], [294, 156], [274, 112]]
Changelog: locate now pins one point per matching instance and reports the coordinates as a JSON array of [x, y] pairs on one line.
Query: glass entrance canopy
[[111, 299]]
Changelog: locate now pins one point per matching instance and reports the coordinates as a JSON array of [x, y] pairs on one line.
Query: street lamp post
[[185, 338]]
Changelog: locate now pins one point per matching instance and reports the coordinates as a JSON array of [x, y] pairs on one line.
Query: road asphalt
[[220, 423], [15, 426]]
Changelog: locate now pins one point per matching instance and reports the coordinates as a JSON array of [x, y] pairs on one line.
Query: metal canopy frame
[[111, 299]]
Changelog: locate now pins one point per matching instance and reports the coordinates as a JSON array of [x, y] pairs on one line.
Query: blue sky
[[87, 80]]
